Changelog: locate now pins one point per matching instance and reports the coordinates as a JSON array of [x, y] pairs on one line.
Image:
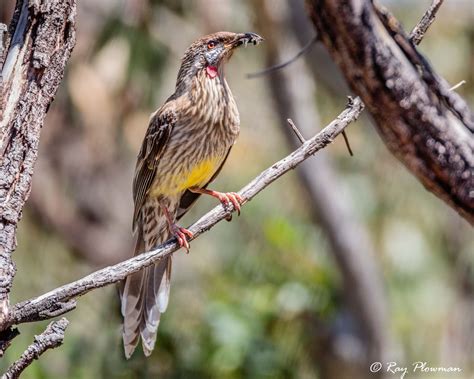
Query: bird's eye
[[211, 45]]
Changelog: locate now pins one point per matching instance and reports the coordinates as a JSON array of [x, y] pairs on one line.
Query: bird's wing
[[189, 198], [156, 138]]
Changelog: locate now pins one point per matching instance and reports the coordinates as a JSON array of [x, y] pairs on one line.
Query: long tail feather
[[153, 309], [145, 294]]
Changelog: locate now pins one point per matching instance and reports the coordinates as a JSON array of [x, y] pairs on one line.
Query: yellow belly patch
[[198, 176]]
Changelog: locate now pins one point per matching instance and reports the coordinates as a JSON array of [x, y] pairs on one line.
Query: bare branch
[[37, 308], [46, 305], [428, 18], [51, 338], [279, 66]]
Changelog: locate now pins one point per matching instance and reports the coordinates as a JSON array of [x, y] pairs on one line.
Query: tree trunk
[[425, 125], [43, 36]]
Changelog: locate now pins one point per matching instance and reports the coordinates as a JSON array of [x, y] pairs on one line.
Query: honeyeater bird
[[186, 144]]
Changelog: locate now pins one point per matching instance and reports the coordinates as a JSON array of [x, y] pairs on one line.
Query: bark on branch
[[428, 18], [62, 299], [425, 125], [52, 337], [43, 36]]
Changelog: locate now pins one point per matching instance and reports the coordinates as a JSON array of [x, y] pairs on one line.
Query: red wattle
[[211, 71]]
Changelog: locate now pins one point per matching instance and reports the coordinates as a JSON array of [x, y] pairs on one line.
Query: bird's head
[[211, 52]]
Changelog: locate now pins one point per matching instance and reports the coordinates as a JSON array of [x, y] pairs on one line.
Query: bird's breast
[[207, 127]]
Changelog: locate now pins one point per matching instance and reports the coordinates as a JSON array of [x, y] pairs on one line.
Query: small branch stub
[[428, 18], [348, 145], [296, 130], [456, 86]]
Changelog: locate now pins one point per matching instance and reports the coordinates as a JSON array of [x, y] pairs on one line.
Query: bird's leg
[[224, 197], [179, 232]]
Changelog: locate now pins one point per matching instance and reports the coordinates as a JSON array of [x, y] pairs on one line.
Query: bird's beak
[[239, 39], [244, 39]]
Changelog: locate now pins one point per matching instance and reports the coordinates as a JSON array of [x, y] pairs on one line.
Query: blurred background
[[343, 262]]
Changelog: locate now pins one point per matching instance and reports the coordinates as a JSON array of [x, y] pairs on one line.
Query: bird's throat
[[211, 71]]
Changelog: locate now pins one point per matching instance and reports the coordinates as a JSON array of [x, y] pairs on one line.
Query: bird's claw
[[230, 197], [181, 233]]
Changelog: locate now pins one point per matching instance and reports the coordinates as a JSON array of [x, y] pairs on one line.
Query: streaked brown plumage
[[185, 146]]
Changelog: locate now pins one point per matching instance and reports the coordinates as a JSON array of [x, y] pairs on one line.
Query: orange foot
[[181, 233], [224, 197], [228, 197]]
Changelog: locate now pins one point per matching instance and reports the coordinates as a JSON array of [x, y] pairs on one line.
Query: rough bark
[[43, 35], [425, 125]]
